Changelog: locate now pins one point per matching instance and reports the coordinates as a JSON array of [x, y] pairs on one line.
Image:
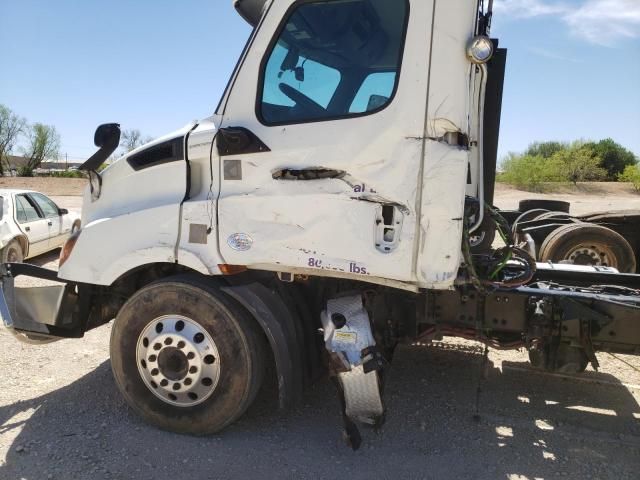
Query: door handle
[[27, 229], [50, 223]]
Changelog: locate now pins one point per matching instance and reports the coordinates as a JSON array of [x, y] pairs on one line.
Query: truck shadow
[[529, 426]]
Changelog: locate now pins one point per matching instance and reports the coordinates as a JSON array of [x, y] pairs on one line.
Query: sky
[[573, 68]]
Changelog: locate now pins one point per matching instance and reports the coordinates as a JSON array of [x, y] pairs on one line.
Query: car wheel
[[12, 253], [186, 357]]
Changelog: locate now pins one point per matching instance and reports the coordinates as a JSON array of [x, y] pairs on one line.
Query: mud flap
[[36, 315], [355, 363], [278, 324]]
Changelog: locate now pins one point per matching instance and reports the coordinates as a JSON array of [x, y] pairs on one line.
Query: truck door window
[[25, 211], [46, 206], [333, 59], [374, 92]]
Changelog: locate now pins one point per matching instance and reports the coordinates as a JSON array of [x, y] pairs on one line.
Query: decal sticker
[[240, 242], [345, 338], [353, 267], [362, 188]]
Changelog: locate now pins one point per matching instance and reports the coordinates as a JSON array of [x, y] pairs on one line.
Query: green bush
[[631, 175], [529, 172], [25, 172], [579, 164], [545, 149], [614, 158], [572, 163]]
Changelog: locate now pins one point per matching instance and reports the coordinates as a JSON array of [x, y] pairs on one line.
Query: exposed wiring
[[506, 267]]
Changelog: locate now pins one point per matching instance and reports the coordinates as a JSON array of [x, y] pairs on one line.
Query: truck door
[[33, 225], [321, 140]]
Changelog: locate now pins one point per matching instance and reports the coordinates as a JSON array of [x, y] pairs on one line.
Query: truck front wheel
[[186, 358]]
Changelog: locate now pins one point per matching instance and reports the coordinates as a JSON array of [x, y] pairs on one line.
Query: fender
[[279, 325]]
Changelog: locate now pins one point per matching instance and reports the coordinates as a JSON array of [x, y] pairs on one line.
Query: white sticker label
[[345, 338]]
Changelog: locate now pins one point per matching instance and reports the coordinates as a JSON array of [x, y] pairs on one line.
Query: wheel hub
[[173, 363], [595, 255], [178, 360]]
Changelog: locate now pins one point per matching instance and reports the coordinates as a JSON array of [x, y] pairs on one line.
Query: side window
[[374, 92], [333, 59], [49, 208], [25, 211]]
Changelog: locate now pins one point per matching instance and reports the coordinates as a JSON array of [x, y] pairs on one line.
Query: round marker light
[[480, 49]]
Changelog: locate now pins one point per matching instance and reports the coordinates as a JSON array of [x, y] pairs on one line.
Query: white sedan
[[32, 224]]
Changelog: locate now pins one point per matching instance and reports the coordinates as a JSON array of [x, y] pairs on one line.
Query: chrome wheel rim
[[178, 360], [593, 254]]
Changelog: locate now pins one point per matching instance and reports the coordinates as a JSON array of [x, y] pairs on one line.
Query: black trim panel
[[238, 141], [165, 152], [492, 114]]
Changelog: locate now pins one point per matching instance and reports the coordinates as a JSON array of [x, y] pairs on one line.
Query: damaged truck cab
[[336, 188]]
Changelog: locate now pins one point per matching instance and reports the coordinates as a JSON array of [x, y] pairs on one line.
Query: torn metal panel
[[442, 215]]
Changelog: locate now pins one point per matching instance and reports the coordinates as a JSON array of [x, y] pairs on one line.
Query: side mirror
[[107, 134], [63, 211], [107, 137]]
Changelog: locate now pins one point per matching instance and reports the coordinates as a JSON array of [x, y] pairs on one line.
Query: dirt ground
[[585, 197], [61, 416]]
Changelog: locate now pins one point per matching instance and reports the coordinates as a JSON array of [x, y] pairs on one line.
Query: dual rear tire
[[186, 357], [588, 244]]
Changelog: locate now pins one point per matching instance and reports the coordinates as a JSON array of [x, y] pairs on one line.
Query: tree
[[614, 157], [578, 164], [545, 149], [12, 127], [132, 139], [631, 175], [43, 144], [529, 172]]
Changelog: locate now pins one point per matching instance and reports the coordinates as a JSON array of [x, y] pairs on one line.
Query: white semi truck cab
[[336, 204]]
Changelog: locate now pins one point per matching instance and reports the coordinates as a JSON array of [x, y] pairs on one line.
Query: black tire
[[12, 253], [579, 242], [239, 347], [483, 238], [551, 205]]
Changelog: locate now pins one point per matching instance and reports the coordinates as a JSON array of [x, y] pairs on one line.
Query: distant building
[[15, 162]]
